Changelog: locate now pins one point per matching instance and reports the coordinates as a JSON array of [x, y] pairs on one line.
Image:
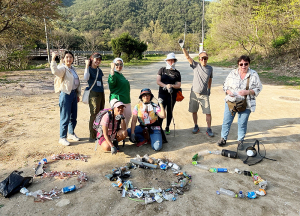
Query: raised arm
[[181, 43]]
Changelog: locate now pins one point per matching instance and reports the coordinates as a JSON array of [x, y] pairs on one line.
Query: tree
[[128, 47], [24, 19]]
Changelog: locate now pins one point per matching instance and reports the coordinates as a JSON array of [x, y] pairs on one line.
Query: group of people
[[241, 87]]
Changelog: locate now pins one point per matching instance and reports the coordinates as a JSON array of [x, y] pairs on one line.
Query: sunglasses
[[245, 64], [203, 58], [119, 64]]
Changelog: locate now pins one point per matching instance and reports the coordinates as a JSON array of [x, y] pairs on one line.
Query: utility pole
[[47, 41], [203, 22]]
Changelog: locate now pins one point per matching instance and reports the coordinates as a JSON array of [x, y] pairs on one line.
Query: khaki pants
[[96, 103]]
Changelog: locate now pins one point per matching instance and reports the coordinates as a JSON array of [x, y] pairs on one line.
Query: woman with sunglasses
[[147, 113], [169, 81], [119, 87], [67, 83], [93, 75], [241, 83]]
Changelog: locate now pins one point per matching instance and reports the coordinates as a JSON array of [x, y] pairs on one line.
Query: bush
[[127, 47]]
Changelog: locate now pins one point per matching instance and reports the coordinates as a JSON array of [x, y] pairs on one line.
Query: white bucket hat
[[171, 56]]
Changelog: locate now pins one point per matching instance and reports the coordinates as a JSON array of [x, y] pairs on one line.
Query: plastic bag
[[13, 184]]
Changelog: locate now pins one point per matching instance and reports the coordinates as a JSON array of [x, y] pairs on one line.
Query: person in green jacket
[[119, 87]]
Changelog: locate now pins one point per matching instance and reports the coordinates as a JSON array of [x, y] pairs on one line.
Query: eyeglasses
[[119, 64], [146, 95], [203, 58], [245, 64]]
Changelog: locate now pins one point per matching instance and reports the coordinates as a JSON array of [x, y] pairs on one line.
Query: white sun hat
[[171, 56]]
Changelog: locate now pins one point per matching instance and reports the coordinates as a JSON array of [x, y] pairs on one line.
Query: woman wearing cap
[[119, 87], [67, 83], [169, 81], [241, 84], [93, 75], [147, 113], [113, 127]]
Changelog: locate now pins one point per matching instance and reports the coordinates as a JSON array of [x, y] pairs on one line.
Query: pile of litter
[[256, 178], [149, 195]]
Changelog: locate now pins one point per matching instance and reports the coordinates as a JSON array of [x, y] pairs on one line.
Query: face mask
[[170, 66]]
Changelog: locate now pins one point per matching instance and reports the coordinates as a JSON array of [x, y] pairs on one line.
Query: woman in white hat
[[119, 87], [169, 81]]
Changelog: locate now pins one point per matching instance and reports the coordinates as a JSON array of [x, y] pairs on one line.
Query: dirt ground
[[29, 131]]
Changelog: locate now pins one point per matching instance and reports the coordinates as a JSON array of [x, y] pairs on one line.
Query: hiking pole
[[172, 111]]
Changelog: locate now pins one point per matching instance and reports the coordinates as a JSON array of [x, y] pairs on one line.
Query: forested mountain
[[133, 15]]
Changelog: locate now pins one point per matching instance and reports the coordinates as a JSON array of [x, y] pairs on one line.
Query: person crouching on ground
[[200, 91], [147, 113], [67, 83], [114, 128], [240, 84]]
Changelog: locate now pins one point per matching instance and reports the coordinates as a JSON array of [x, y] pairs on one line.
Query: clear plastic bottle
[[203, 153], [35, 194], [227, 192], [43, 161], [201, 166], [216, 152], [241, 195]]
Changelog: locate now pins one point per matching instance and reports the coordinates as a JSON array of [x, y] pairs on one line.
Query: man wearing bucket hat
[[200, 91], [147, 113], [169, 81]]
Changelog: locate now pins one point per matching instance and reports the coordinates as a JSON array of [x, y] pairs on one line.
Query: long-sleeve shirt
[[234, 83], [119, 87]]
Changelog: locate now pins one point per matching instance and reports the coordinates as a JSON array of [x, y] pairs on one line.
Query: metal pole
[[203, 23], [47, 41]]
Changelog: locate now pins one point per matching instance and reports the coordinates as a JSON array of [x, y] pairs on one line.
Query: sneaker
[[167, 131], [141, 143], [73, 137], [196, 129], [209, 132], [63, 141], [221, 142]]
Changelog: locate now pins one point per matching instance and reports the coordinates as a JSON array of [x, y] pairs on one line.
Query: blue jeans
[[156, 139], [242, 123], [68, 113]]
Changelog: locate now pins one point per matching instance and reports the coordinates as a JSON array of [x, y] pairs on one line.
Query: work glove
[[119, 117], [160, 100], [181, 43], [208, 92], [114, 150], [132, 138], [170, 90]]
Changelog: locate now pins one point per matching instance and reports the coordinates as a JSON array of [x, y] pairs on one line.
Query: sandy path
[[29, 130]]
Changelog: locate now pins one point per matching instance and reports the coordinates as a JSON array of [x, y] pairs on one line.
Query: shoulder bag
[[239, 106], [86, 93]]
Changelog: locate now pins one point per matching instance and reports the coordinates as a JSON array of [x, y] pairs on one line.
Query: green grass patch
[[280, 80]]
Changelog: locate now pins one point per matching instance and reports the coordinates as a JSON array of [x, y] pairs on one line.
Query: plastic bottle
[[217, 170], [216, 152], [227, 192], [35, 194], [201, 166], [68, 189], [43, 161], [203, 153], [183, 182], [241, 195]]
